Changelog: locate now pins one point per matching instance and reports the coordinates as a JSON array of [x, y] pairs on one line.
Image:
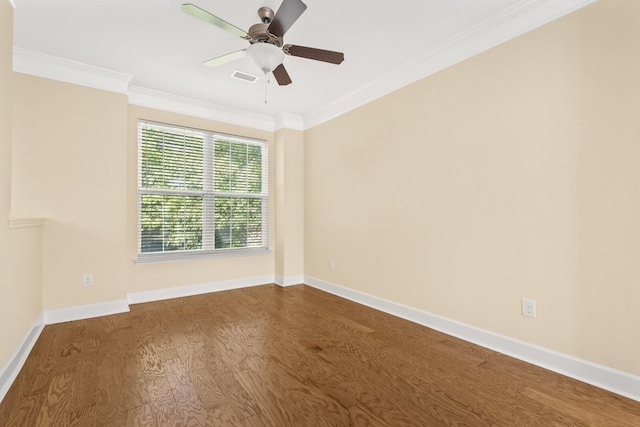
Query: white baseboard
[[289, 280], [85, 311], [616, 381], [122, 306], [11, 369], [190, 290]]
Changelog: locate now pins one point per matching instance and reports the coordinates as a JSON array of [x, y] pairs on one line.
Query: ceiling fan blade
[[281, 75], [225, 58], [194, 10], [287, 14], [313, 53]]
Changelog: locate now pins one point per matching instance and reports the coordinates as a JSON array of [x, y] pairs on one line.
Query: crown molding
[[51, 67], [54, 68], [289, 121], [514, 21], [519, 19], [179, 104]]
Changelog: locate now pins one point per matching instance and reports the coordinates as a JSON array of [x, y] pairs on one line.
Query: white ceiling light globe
[[266, 56]]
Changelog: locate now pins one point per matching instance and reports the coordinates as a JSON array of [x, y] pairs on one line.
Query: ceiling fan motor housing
[[258, 34]]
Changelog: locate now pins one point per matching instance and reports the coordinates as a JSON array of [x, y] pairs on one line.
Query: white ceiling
[[386, 45]]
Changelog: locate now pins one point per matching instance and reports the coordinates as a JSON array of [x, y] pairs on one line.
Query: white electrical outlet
[[87, 279], [332, 265], [528, 308]]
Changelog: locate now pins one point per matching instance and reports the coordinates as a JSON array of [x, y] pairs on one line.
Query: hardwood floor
[[296, 356]]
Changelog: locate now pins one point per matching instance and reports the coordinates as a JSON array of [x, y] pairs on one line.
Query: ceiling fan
[[266, 39]]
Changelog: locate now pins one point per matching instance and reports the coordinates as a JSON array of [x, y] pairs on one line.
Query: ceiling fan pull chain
[[266, 80]]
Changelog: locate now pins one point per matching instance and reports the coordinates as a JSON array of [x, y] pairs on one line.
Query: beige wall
[[513, 174], [70, 168], [20, 274], [289, 195], [77, 169]]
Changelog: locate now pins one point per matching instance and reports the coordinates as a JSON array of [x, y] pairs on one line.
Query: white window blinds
[[199, 193]]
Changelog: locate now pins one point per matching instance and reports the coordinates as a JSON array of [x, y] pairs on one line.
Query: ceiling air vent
[[244, 76]]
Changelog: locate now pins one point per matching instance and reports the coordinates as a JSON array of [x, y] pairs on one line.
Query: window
[[199, 193]]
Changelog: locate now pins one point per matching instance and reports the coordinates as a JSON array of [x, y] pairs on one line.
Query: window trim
[[209, 139]]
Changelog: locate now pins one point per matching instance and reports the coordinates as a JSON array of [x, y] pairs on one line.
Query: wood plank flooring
[[296, 356]]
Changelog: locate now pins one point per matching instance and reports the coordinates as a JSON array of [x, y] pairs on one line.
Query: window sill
[[194, 255]]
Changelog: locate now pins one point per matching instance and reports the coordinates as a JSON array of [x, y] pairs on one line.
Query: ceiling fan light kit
[[267, 47], [266, 56]]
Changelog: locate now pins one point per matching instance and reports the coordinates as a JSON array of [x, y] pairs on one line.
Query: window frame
[[208, 194]]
